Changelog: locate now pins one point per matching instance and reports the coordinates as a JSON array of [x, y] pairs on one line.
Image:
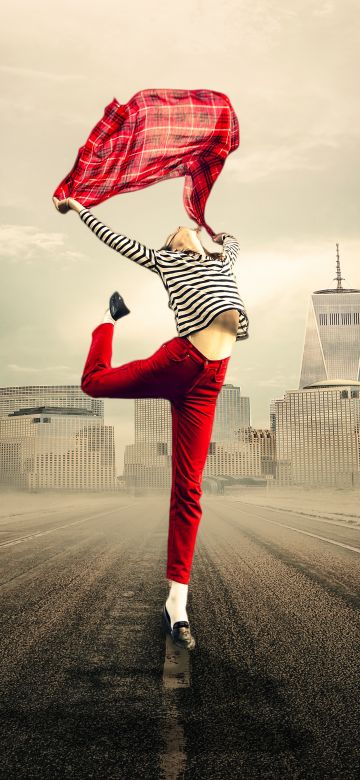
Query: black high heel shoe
[[180, 632], [117, 306]]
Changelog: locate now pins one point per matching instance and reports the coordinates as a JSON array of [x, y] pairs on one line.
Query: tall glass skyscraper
[[332, 336]]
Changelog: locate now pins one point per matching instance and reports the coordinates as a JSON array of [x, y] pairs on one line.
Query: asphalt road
[[90, 688]]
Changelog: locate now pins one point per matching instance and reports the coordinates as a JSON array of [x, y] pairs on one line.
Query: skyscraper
[[232, 413], [153, 421], [147, 462], [332, 337]]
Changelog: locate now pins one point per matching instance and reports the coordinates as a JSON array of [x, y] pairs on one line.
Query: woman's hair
[[168, 248], [168, 241]]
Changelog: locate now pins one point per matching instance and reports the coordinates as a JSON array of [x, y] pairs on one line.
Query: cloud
[[40, 74], [279, 380], [22, 241], [324, 8], [10, 105], [27, 242], [74, 256], [303, 154]]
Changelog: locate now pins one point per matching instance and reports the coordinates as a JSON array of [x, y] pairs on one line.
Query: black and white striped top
[[198, 288]]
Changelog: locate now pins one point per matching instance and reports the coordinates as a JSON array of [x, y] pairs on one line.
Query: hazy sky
[[291, 190]]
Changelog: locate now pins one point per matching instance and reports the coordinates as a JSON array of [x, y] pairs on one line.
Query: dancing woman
[[188, 370]]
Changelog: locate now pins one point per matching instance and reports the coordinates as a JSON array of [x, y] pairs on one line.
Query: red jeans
[[179, 372]]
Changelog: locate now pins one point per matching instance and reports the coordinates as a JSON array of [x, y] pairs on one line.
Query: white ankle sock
[[107, 317], [176, 602]]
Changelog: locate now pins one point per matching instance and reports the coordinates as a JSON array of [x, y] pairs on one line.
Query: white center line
[[176, 674]]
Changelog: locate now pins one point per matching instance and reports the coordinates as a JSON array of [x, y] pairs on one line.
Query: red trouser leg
[[137, 379], [179, 372], [192, 424]]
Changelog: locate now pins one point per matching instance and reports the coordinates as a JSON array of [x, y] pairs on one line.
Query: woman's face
[[186, 238]]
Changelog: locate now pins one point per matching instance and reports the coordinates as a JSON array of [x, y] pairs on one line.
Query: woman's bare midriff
[[217, 339]]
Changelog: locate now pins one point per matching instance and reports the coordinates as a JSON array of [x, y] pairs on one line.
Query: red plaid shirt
[[159, 134]]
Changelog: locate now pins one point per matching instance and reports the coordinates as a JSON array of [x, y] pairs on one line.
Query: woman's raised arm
[[231, 249], [231, 246], [128, 247]]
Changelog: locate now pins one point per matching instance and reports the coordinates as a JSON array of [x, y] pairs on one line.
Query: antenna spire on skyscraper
[[338, 278]]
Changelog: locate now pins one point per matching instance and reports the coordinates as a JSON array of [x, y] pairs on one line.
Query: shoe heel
[[165, 623]]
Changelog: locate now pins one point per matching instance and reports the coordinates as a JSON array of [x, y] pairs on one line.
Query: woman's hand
[[219, 238], [65, 205]]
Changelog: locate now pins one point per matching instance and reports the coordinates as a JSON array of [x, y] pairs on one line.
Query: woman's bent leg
[[136, 379]]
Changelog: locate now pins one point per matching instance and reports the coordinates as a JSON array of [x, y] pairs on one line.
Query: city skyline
[[120, 440], [55, 437], [331, 350]]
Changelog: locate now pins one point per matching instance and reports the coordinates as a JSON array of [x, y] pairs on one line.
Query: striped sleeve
[[231, 249], [127, 247]]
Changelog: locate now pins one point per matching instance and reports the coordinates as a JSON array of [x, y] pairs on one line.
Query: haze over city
[[289, 193]]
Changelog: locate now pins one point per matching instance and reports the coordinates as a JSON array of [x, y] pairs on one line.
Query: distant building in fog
[[232, 413], [147, 462], [318, 434], [61, 396], [54, 437], [152, 421], [332, 337], [250, 454], [147, 466]]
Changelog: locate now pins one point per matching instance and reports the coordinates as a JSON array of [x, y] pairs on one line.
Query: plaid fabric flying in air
[[159, 134]]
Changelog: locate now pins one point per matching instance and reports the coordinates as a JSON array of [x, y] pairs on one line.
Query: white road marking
[[307, 533], [354, 526], [21, 539]]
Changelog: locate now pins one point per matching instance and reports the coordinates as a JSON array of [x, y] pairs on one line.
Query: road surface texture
[[91, 688]]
